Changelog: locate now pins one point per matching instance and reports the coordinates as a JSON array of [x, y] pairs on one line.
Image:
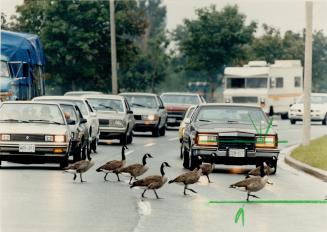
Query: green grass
[[314, 154]]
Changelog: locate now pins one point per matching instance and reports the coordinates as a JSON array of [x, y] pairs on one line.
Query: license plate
[[171, 119], [236, 152], [30, 148]]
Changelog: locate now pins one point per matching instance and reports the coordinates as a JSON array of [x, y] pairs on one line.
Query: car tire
[[77, 154], [162, 130], [293, 121], [284, 116], [274, 165], [123, 139], [181, 153], [94, 145], [64, 162], [186, 162], [324, 122], [130, 138], [156, 132]]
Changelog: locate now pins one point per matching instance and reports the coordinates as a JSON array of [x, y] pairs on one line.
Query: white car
[[318, 109], [87, 111]]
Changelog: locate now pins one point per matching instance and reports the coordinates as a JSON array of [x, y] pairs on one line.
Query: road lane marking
[[172, 139], [144, 209], [149, 144], [271, 202], [129, 152]]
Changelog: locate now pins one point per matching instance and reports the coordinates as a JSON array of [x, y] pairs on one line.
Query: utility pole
[[114, 83], [307, 73]]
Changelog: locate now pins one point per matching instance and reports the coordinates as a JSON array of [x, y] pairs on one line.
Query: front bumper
[[145, 125], [51, 149], [299, 117], [111, 132], [228, 157]]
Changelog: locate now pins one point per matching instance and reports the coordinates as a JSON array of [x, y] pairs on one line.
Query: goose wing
[[246, 182], [77, 165], [254, 172], [147, 181], [112, 165], [206, 168], [132, 168]]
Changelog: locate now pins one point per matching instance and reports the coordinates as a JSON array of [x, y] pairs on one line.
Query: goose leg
[[156, 194], [247, 198], [254, 196], [143, 193], [192, 190], [74, 176], [130, 180], [117, 176], [105, 177], [80, 175], [185, 187], [209, 179]]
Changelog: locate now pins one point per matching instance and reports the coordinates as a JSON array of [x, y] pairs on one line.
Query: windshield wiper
[[107, 107], [45, 121], [140, 105], [14, 120], [204, 120]]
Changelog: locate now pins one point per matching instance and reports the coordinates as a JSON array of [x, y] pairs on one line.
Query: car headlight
[[59, 138], [117, 123], [151, 117], [48, 138], [207, 139], [268, 141], [5, 137]]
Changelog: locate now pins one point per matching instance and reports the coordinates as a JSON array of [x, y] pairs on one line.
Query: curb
[[321, 174]]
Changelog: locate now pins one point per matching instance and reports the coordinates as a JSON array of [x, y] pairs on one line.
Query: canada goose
[[253, 184], [208, 168], [188, 178], [152, 182], [79, 167], [268, 170], [114, 166], [136, 170]]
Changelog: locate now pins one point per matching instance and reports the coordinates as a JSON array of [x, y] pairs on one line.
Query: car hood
[[233, 127], [143, 111], [110, 115], [32, 128], [313, 106]]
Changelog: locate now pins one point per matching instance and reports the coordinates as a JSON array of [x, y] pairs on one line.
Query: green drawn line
[[271, 202], [269, 126], [239, 213]]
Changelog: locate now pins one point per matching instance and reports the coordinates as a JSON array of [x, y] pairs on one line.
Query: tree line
[[76, 38]]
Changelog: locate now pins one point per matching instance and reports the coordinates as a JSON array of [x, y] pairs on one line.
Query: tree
[[4, 22], [213, 40], [76, 38], [319, 62]]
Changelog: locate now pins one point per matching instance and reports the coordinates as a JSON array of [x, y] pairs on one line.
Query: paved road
[[42, 198]]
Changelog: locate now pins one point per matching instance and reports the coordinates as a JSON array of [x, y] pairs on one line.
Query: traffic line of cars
[[50, 129]]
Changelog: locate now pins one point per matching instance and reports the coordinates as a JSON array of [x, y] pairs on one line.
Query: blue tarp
[[16, 46]]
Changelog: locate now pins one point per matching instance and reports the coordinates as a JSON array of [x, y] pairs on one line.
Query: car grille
[[27, 138], [138, 117], [236, 142], [103, 122], [176, 114]]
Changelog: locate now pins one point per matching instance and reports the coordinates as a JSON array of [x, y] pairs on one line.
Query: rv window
[[279, 82], [297, 81], [256, 83], [235, 83]]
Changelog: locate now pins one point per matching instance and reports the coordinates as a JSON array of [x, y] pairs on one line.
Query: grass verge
[[315, 154]]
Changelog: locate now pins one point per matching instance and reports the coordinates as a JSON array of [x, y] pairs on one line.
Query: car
[[318, 109], [81, 93], [149, 112], [177, 103], [181, 129], [88, 113], [79, 131], [116, 118], [238, 134], [34, 132]]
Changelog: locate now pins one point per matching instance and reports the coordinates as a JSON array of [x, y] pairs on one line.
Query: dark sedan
[[238, 134]]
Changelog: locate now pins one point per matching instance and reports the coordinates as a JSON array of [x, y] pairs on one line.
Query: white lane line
[[144, 209], [172, 139], [149, 144], [129, 152]]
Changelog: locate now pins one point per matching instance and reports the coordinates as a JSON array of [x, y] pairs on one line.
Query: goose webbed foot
[[192, 190], [254, 196], [74, 178], [117, 177], [209, 179], [80, 175], [156, 194]]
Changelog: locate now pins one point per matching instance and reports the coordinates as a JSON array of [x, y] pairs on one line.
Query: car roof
[[73, 98], [104, 96], [139, 93], [180, 93], [319, 94], [230, 105], [83, 92], [30, 102]]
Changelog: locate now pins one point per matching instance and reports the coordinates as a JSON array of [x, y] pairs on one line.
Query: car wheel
[[284, 116], [64, 162], [77, 154], [274, 165], [181, 154], [123, 139], [130, 138], [186, 162], [293, 121], [324, 122], [156, 132], [94, 145], [162, 130]]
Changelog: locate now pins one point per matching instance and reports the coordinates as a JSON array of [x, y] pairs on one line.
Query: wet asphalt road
[[43, 198]]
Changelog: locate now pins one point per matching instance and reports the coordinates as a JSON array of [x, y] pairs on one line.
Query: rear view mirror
[[83, 120], [71, 122], [130, 112], [161, 107]]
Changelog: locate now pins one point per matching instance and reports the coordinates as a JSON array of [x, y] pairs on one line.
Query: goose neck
[[162, 170], [144, 160]]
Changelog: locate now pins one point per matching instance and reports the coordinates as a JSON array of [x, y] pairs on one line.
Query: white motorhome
[[272, 86]]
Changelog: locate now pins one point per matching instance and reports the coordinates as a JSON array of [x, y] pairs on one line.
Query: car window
[[78, 112], [142, 101], [180, 99], [105, 104], [224, 114], [189, 112], [315, 100], [70, 112], [79, 103]]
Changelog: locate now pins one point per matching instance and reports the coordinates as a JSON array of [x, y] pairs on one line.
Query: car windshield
[[79, 103], [315, 100], [142, 101], [106, 104], [180, 99], [225, 114], [38, 113], [189, 112]]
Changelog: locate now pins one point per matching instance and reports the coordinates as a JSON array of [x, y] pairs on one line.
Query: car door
[[94, 122], [130, 116], [162, 111]]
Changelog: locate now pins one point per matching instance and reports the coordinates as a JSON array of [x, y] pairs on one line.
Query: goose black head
[[164, 164], [146, 155]]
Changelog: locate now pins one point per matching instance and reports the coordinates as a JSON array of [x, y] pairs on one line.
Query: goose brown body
[[79, 167], [188, 178], [113, 166]]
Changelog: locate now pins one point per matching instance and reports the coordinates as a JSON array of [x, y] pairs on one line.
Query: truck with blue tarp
[[22, 66]]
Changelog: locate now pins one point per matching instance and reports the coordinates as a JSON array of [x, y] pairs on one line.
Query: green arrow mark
[[239, 213]]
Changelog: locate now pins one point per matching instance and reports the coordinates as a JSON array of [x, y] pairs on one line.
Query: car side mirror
[[161, 107], [71, 122], [130, 112], [83, 120]]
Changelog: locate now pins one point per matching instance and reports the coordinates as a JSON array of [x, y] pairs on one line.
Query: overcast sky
[[283, 14]]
